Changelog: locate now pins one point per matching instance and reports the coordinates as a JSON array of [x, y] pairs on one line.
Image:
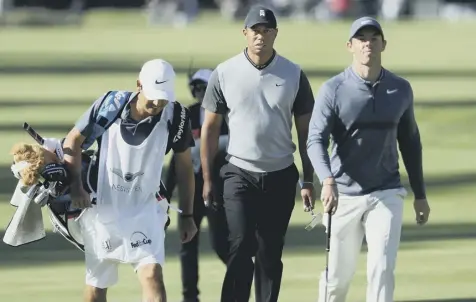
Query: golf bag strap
[[110, 109]]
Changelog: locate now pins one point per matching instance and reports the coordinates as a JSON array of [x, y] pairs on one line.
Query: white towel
[[26, 224]]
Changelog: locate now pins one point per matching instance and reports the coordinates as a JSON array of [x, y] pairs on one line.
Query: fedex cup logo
[[139, 239]]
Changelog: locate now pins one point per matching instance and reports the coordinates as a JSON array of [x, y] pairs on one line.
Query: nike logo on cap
[[391, 91], [156, 82]]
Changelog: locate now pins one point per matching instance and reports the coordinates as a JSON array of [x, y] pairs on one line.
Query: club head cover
[[54, 145], [55, 172]]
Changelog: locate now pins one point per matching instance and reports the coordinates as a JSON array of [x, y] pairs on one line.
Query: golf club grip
[[33, 133]]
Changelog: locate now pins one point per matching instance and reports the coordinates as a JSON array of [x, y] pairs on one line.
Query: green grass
[[48, 77]]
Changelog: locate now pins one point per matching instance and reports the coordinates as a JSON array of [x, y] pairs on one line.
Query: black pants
[[258, 208], [218, 233]]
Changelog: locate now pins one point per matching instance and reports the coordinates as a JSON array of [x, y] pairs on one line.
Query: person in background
[[216, 216]]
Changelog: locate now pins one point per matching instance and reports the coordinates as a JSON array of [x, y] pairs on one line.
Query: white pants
[[378, 216], [103, 273]]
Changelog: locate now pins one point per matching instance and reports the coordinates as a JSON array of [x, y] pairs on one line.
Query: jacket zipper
[[373, 90]]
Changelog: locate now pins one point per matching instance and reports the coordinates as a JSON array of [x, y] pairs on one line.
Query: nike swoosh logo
[[279, 85], [160, 82], [391, 91]]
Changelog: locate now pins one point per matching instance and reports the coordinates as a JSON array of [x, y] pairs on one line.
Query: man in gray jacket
[[365, 111]]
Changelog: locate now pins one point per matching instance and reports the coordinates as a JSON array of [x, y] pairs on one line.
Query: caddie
[[126, 223]]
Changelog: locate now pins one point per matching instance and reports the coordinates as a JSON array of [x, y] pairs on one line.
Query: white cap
[[201, 75], [157, 78]]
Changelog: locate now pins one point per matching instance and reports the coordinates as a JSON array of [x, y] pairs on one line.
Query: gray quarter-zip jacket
[[364, 122]]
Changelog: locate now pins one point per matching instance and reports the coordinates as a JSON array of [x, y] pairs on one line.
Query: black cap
[[260, 15]]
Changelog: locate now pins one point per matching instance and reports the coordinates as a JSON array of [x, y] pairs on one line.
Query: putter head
[[316, 219]]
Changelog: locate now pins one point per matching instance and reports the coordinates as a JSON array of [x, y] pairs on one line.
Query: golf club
[[328, 247], [33, 133], [316, 219]]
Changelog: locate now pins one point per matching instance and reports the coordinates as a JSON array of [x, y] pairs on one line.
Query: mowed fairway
[[48, 77]]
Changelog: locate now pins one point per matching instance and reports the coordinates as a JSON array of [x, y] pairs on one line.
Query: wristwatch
[[301, 183]]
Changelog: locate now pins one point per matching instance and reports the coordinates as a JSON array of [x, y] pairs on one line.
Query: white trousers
[[378, 216], [104, 273]]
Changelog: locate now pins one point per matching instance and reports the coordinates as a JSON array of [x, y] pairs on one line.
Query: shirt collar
[[259, 67], [357, 77]]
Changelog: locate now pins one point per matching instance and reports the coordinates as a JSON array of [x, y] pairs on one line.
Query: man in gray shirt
[[258, 92], [365, 110]]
